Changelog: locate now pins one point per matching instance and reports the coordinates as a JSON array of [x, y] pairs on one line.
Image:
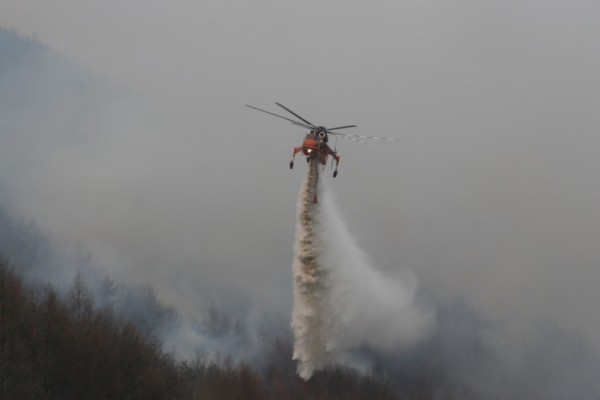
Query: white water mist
[[340, 300], [370, 306]]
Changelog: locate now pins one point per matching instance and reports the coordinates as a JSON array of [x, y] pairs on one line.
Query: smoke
[[340, 300]]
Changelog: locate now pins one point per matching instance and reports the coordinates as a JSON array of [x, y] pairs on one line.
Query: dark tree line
[[62, 347], [54, 348]]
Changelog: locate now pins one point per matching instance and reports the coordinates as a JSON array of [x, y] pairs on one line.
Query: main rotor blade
[[347, 135], [341, 127], [280, 116], [296, 115], [353, 139], [303, 125]]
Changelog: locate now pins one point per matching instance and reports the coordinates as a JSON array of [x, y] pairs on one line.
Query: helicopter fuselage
[[315, 146]]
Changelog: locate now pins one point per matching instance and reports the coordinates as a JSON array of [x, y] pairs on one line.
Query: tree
[[79, 302]]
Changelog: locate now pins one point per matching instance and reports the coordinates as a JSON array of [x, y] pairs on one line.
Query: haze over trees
[[63, 348]]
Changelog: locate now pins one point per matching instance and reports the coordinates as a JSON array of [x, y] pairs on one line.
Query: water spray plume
[[340, 300], [311, 313]]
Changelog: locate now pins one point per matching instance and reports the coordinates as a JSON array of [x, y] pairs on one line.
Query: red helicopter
[[315, 142]]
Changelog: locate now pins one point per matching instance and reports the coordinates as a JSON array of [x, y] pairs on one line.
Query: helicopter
[[315, 145]]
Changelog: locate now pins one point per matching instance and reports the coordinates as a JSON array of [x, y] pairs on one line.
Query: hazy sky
[[492, 192]]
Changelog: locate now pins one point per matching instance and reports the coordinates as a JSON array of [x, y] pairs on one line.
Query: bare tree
[[79, 302]]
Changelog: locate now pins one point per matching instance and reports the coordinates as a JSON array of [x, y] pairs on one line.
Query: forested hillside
[[54, 347], [70, 330], [97, 338]]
